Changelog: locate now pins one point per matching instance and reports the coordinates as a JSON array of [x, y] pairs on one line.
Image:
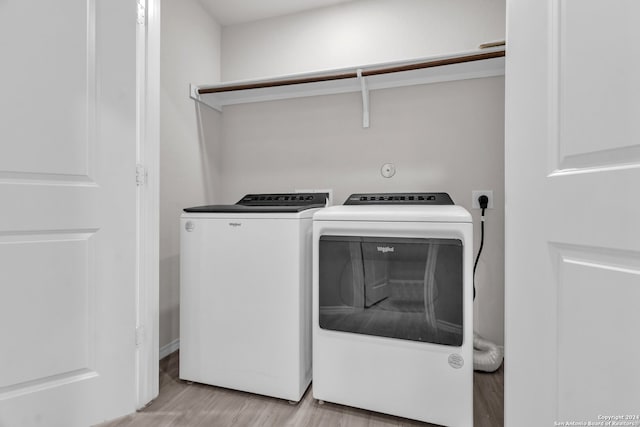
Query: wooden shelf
[[467, 65]]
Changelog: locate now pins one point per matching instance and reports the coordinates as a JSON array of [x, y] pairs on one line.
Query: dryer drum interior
[[403, 288]]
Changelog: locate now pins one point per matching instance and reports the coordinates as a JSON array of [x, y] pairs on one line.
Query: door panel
[[67, 225], [45, 102], [595, 90], [51, 306], [572, 178], [595, 328]]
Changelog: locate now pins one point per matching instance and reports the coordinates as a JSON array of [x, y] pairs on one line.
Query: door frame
[[148, 201]]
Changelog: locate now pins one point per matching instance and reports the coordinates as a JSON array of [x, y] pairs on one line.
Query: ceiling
[[230, 12]]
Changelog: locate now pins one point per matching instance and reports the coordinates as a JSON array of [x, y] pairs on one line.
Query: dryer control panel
[[399, 199]]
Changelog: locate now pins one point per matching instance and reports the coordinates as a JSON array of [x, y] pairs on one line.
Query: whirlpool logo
[[385, 249], [235, 224]]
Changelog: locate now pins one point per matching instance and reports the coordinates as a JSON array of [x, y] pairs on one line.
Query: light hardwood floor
[[183, 404]]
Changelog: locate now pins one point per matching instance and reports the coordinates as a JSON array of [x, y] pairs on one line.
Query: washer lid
[[268, 203], [394, 213]]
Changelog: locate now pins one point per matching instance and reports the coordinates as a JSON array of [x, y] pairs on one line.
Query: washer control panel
[[284, 199]]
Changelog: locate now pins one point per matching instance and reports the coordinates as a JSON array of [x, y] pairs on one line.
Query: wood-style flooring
[[190, 405]]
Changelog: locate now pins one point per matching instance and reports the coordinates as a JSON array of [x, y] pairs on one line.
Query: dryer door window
[[404, 288]]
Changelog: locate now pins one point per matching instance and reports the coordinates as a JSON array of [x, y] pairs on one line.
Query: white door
[[572, 212], [67, 211]]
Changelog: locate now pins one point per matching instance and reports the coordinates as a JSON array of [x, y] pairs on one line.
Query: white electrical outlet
[[316, 190], [475, 194]]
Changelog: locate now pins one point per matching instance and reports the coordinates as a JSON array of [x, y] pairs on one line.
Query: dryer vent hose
[[487, 356]]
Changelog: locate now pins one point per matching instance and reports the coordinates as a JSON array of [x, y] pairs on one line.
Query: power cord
[[483, 201]]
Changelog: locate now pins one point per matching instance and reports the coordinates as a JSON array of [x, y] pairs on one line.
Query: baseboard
[[167, 349]]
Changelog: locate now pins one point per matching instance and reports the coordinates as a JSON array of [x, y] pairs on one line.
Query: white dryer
[[392, 306], [245, 294]]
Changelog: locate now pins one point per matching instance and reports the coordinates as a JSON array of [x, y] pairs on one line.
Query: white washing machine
[[392, 306], [245, 294]]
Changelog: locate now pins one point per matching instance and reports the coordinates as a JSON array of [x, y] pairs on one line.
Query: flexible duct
[[487, 356]]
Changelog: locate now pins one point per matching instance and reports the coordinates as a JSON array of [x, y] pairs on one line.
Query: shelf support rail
[[365, 98], [349, 75]]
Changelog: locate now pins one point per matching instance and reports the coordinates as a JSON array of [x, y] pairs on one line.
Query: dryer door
[[404, 288]]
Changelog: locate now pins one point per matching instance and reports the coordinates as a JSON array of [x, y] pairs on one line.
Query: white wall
[[358, 33], [190, 53], [441, 137]]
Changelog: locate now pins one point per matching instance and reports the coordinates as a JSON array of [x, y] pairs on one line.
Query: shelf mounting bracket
[[365, 99], [195, 95], [193, 92]]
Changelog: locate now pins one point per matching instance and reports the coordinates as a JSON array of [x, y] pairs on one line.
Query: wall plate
[[477, 193], [388, 170]]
